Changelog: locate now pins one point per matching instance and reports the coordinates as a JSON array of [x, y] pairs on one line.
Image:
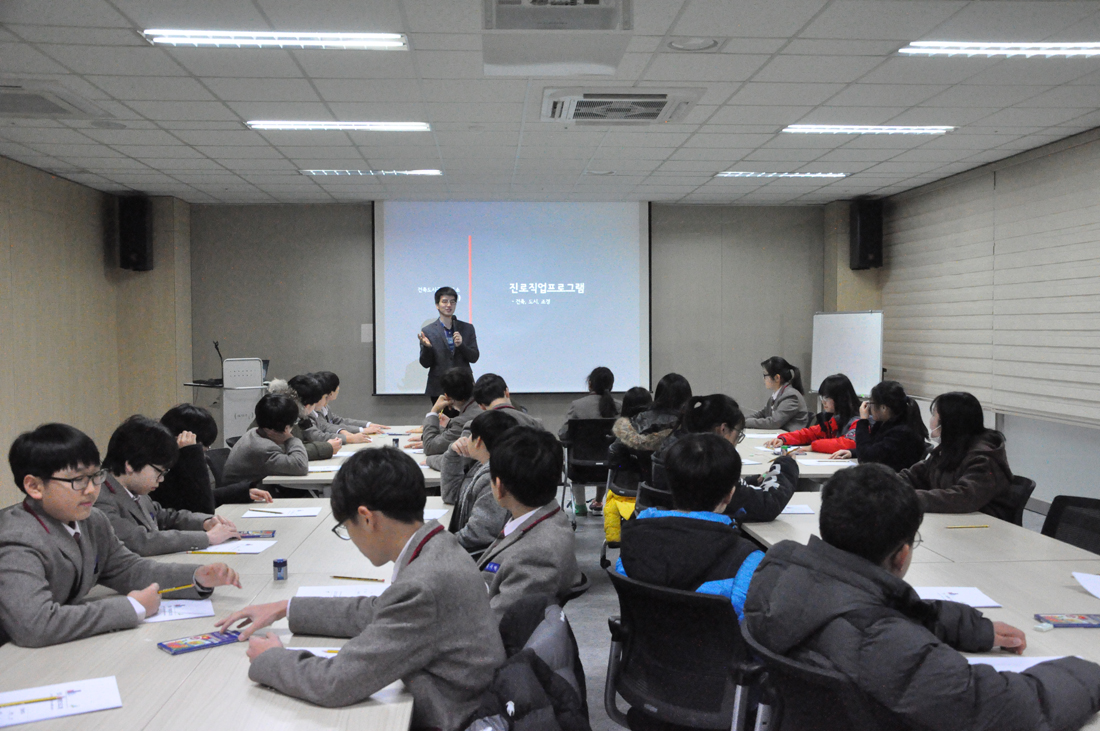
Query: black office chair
[[577, 590], [651, 496], [215, 459], [1074, 520], [586, 458], [229, 442], [808, 698], [1011, 506], [678, 657]]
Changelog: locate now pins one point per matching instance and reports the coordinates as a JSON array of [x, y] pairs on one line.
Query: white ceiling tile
[[212, 138], [757, 94], [222, 152], [890, 95], [780, 117], [115, 61], [778, 18], [70, 35], [1046, 71], [631, 153], [268, 63], [42, 135], [656, 138], [820, 47], [262, 90], [244, 111], [374, 90], [174, 164], [348, 16], [18, 58], [1031, 117], [953, 116], [474, 90], [783, 155], [931, 156], [454, 16], [850, 115], [477, 112], [449, 64], [753, 45], [166, 111], [1063, 96], [682, 67], [976, 95], [152, 88], [855, 155], [728, 140], [445, 41], [654, 17], [997, 20], [913, 70], [817, 69], [860, 19], [709, 154], [340, 65], [62, 12]]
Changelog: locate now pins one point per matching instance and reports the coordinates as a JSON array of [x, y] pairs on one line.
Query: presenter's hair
[[707, 413], [600, 382], [48, 449], [869, 511], [961, 420], [892, 395], [489, 426], [838, 388], [276, 411], [702, 470], [329, 380], [386, 480], [636, 400], [527, 461], [308, 389], [195, 419], [140, 441], [458, 383], [443, 291], [672, 392], [489, 388], [776, 366]]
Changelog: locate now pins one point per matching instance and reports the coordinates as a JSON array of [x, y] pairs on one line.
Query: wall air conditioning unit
[[44, 100], [632, 106], [558, 15]]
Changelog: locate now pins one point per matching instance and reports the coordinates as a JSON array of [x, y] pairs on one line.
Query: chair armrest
[[618, 632], [746, 672]]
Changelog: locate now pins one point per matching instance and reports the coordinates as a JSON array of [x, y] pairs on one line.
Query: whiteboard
[[848, 343]]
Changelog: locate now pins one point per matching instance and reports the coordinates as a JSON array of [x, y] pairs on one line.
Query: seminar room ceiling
[[177, 115]]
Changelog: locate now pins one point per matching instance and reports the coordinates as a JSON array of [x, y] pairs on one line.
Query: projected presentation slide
[[553, 290]]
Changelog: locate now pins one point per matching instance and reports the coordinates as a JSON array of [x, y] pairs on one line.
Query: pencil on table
[[967, 526], [261, 510], [176, 588], [359, 578], [32, 700]]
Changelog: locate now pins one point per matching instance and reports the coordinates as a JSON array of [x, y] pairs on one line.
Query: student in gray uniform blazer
[[431, 628], [786, 408], [269, 448], [477, 518], [55, 546], [331, 384], [139, 454], [446, 343], [439, 430], [598, 404], [535, 553]]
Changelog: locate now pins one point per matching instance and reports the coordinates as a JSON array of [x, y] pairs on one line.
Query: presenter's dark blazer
[[438, 358]]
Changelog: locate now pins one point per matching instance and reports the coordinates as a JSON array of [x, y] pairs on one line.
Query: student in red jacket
[[838, 398]]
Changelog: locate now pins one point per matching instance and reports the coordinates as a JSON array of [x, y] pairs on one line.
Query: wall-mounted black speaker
[[135, 233], [865, 234]]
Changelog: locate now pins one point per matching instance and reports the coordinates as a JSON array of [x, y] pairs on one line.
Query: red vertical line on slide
[[470, 279]]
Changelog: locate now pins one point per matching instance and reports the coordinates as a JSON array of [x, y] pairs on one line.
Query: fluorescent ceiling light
[[1047, 50], [864, 129], [361, 126], [268, 39], [370, 172], [740, 174]]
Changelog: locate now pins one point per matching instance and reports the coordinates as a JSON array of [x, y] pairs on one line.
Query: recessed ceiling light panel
[[336, 126], [269, 39], [346, 173], [865, 129], [741, 174], [693, 44], [988, 50]]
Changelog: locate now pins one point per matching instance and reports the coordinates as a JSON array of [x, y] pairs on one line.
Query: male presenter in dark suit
[[446, 343]]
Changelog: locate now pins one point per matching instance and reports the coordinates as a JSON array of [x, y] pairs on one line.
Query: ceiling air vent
[[617, 106], [558, 15], [44, 100]]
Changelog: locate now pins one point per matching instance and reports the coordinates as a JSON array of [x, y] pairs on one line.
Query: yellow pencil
[[359, 578], [260, 510], [176, 588], [968, 526], [32, 700]]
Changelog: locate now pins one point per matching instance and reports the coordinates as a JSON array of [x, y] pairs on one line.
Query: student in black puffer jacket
[[897, 436]]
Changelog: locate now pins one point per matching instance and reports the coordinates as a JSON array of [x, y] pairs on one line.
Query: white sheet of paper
[[750, 461], [769, 450], [798, 510], [239, 547], [282, 513], [1091, 582], [416, 451], [324, 468], [1009, 663], [762, 435], [78, 696], [829, 462], [434, 514], [364, 588], [172, 609], [969, 595], [325, 652]]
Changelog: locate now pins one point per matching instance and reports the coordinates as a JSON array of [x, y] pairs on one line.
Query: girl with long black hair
[[840, 402], [890, 429]]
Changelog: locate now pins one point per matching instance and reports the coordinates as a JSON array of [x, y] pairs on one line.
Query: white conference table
[[210, 688], [323, 471], [813, 465], [1027, 572]]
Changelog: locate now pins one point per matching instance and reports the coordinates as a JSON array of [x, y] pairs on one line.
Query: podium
[[233, 402]]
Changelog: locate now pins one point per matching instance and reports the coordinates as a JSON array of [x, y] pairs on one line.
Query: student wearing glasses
[[431, 628], [54, 548], [446, 343], [140, 453], [786, 407]]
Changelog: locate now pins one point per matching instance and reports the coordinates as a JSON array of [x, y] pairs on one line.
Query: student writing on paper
[[890, 430], [695, 546], [786, 407], [836, 427], [269, 448], [758, 499], [841, 601], [55, 546], [431, 628], [598, 404], [968, 471], [535, 553], [140, 453], [324, 417], [477, 518]]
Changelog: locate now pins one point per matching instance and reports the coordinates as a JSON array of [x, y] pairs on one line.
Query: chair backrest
[[809, 698], [216, 458], [1075, 520], [1010, 505], [588, 440], [677, 653], [651, 496]]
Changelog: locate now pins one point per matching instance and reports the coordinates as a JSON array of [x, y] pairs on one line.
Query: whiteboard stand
[[848, 343]]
